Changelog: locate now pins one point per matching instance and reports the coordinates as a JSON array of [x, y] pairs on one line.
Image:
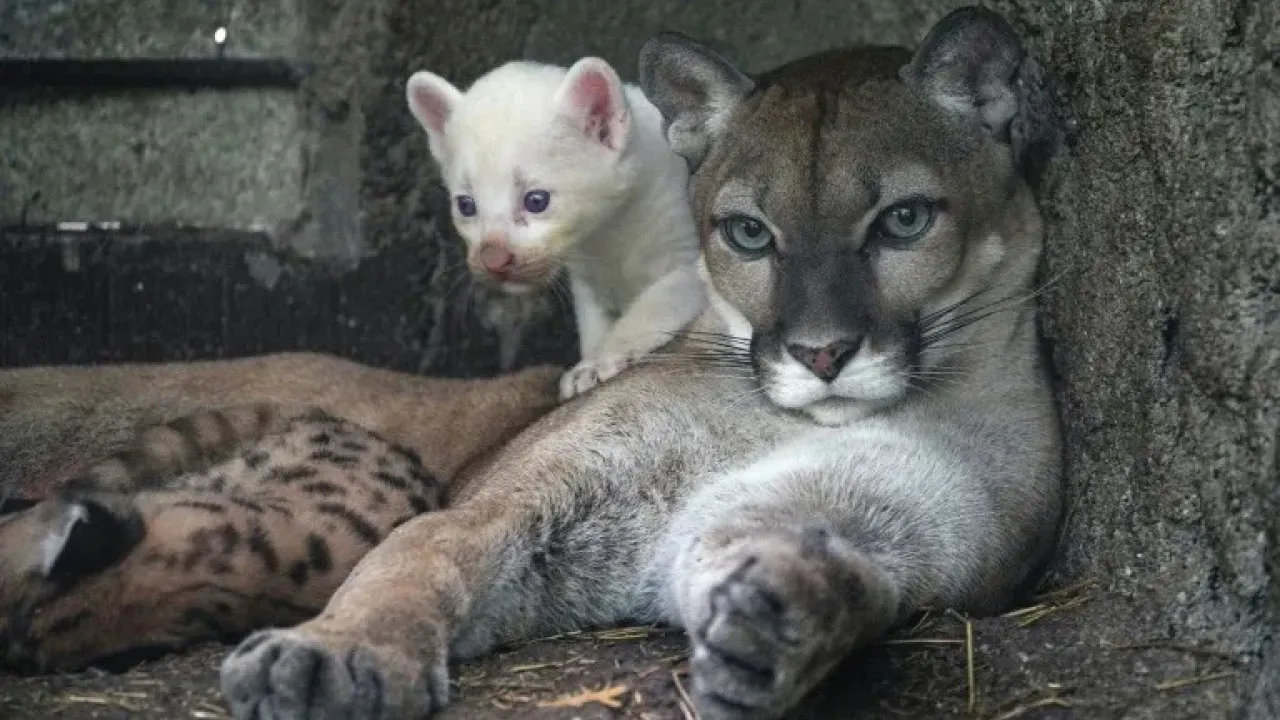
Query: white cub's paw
[[591, 372]]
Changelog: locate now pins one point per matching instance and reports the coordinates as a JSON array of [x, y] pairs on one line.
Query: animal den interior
[[287, 199]]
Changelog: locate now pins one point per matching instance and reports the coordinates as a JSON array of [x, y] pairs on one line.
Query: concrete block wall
[[283, 161], [207, 158]]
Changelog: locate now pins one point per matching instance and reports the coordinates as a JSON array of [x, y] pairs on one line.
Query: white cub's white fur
[[552, 168]]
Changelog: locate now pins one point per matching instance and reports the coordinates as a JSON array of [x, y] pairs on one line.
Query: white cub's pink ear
[[591, 96], [432, 100]]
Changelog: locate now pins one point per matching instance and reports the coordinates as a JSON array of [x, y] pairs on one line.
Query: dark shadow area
[[154, 295]]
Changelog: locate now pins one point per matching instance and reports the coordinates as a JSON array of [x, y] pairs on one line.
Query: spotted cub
[[259, 521]]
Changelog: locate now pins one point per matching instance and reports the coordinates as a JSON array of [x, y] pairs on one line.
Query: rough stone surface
[[341, 43], [129, 28], [1163, 310]]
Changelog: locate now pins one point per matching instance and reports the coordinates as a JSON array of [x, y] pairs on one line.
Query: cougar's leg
[[546, 547]]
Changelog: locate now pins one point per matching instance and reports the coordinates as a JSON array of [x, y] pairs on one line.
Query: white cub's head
[[534, 157]]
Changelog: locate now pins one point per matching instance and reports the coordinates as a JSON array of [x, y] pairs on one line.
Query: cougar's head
[[857, 206]]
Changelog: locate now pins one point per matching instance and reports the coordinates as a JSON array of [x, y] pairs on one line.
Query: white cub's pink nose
[[496, 258]]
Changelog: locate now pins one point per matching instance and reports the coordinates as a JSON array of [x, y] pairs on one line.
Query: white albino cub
[[554, 169]]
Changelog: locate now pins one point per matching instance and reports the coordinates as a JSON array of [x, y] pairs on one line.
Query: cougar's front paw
[[296, 675], [589, 373], [777, 622]]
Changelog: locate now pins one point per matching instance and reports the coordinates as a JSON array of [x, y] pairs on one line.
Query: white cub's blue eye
[[536, 201], [466, 205], [747, 234]]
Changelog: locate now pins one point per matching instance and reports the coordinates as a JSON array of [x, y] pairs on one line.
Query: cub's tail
[[189, 443]]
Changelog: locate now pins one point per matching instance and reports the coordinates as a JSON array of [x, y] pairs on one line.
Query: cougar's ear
[[967, 64], [432, 100], [973, 64], [695, 89]]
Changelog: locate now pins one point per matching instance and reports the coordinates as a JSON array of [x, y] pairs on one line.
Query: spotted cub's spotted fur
[[265, 518]]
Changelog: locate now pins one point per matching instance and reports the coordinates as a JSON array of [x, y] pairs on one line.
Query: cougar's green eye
[[906, 220], [747, 235]]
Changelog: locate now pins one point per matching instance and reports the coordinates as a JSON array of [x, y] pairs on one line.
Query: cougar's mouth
[[839, 383]]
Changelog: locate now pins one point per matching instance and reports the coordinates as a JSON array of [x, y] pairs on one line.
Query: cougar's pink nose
[[495, 258], [826, 362]]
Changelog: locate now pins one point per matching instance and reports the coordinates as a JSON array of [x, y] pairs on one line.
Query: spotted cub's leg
[[259, 540]]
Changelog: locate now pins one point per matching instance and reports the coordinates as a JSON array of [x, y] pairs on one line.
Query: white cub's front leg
[[593, 322], [652, 319], [593, 325]]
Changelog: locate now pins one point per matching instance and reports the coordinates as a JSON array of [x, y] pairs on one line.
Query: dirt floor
[[1070, 654]]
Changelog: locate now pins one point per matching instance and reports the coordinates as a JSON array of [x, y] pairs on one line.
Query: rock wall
[[1163, 310]]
